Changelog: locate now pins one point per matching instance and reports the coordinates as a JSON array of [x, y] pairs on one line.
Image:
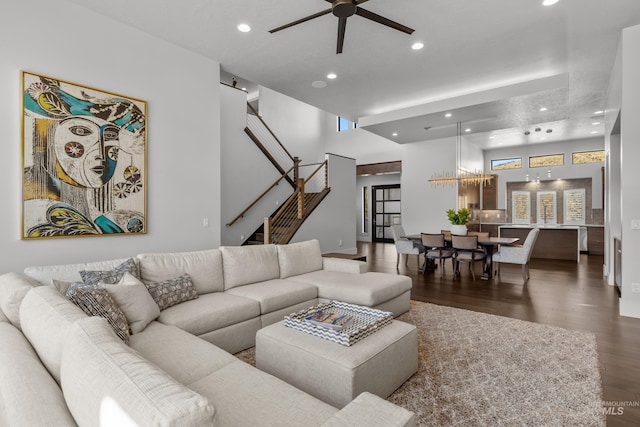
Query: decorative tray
[[365, 322]]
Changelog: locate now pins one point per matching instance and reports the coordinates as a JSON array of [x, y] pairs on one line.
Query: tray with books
[[339, 322]]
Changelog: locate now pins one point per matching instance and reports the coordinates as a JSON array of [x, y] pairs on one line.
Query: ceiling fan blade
[[357, 2], [384, 21], [342, 26], [300, 21]]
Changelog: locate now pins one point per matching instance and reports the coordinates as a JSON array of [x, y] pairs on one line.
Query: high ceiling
[[492, 64]]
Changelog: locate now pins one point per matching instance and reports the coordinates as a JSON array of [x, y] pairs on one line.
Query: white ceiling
[[491, 63]]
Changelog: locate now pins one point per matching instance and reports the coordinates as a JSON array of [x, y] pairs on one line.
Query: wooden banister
[[259, 198], [270, 131]]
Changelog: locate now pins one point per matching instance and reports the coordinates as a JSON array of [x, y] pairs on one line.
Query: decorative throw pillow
[[92, 278], [61, 285], [135, 301], [172, 291], [98, 302]]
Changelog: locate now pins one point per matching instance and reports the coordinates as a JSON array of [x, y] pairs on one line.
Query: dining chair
[[466, 250], [405, 246], [517, 254], [435, 249]]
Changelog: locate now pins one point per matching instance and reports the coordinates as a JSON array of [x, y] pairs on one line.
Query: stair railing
[[268, 143], [264, 193], [279, 228]]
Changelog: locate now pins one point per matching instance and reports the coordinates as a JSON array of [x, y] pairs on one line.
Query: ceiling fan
[[343, 9]]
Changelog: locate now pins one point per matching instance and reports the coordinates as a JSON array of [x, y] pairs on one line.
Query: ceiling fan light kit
[[343, 9]]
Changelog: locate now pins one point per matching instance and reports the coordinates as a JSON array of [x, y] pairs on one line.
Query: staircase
[[281, 225]]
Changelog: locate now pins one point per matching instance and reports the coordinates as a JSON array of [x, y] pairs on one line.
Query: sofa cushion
[[98, 302], [299, 258], [120, 387], [210, 312], [93, 277], [30, 395], [204, 267], [369, 289], [180, 354], [69, 272], [276, 294], [13, 288], [135, 301], [170, 292], [242, 265], [46, 317], [246, 396]]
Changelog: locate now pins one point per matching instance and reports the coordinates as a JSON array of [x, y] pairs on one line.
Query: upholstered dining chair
[[466, 250], [435, 249], [405, 246], [517, 254]]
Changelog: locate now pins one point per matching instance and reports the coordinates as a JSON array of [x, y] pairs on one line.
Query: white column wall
[[630, 153]]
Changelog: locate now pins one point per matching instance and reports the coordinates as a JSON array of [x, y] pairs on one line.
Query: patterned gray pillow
[[172, 291], [98, 302], [92, 278]]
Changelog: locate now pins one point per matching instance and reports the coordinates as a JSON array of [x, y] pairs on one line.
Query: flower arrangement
[[458, 218]]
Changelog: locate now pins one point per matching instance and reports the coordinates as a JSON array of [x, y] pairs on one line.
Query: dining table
[[487, 243]]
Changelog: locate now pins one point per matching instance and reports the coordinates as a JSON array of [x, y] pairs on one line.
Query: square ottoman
[[336, 374]]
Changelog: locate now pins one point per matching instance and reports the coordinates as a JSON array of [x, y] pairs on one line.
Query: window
[[343, 124], [501, 164], [584, 157], [548, 160]]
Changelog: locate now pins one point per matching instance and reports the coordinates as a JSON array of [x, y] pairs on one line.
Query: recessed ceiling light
[[244, 89], [417, 46], [500, 143], [543, 108], [332, 76], [594, 131], [467, 130], [319, 84], [595, 123], [492, 137], [549, 2], [244, 28], [599, 112], [448, 115], [394, 134]]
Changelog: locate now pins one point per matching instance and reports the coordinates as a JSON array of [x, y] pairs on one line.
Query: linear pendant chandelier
[[461, 176]]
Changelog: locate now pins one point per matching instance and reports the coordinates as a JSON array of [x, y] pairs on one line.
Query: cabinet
[[490, 194]]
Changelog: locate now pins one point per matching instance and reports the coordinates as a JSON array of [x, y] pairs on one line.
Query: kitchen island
[[561, 242]]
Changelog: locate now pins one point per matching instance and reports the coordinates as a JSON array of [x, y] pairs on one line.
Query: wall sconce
[[537, 177], [549, 173]]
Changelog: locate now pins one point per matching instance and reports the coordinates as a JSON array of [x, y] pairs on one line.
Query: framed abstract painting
[[84, 155]]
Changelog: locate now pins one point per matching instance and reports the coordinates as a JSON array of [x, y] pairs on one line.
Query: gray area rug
[[478, 369]]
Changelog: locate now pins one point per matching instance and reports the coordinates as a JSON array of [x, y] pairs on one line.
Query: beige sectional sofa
[[179, 369]]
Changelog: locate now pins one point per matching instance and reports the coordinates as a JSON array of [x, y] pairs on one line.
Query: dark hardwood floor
[[570, 295]]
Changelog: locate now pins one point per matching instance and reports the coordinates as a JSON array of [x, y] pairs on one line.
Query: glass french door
[[385, 204]]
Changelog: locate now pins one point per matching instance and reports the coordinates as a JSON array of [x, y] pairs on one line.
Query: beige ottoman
[[334, 373]]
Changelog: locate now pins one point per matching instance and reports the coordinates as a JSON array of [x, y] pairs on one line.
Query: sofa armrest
[[372, 411], [342, 265]]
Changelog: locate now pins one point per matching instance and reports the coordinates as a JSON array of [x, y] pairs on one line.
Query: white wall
[[592, 170], [332, 222], [630, 153], [68, 42], [245, 173], [298, 126], [424, 205]]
